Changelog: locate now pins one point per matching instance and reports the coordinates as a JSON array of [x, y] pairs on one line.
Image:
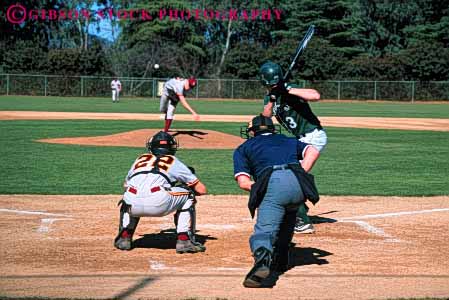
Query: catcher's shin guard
[[127, 226], [192, 228], [192, 213]]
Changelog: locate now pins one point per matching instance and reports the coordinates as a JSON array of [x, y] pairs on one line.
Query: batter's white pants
[[167, 107], [161, 203], [317, 138]]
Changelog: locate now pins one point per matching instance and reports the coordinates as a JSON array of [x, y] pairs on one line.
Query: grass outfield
[[225, 107], [356, 162]]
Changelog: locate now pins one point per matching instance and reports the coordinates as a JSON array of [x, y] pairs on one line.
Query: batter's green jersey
[[294, 113]]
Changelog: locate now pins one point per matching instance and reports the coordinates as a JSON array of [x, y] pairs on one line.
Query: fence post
[[7, 84], [339, 90], [232, 88], [375, 90], [45, 85], [197, 88], [413, 91], [153, 94], [82, 86]]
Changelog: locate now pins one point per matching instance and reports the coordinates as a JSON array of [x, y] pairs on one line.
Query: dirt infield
[[364, 248], [355, 122]]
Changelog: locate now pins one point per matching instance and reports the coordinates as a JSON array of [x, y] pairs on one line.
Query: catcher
[[289, 104], [173, 93], [150, 191], [280, 185]]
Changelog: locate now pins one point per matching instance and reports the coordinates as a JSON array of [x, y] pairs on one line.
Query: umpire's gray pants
[[278, 209]]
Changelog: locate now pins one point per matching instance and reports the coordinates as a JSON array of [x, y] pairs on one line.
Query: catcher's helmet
[[258, 125], [162, 143], [270, 73]]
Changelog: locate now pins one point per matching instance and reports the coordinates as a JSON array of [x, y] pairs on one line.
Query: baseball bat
[[302, 45]]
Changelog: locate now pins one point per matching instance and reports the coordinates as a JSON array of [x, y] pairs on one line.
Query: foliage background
[[355, 39]]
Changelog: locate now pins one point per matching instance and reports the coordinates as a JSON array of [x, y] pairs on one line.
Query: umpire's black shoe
[[261, 269], [280, 263]]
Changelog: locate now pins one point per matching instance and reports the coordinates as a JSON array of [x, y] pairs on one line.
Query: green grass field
[[227, 107], [356, 162]]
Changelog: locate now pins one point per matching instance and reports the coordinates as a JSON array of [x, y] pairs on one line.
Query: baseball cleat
[[189, 247], [123, 243], [302, 227]]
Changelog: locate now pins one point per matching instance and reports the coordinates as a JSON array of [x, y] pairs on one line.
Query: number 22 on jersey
[[148, 160]]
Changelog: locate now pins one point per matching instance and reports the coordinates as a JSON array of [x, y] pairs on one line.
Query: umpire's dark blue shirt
[[266, 150]]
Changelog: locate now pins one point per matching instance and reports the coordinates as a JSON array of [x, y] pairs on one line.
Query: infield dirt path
[[364, 248], [355, 122]]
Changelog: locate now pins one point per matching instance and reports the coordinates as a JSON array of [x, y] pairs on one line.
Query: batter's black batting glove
[[277, 91]]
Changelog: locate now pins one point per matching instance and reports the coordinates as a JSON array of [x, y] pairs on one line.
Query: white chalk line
[[165, 226], [379, 232], [46, 223], [26, 212], [403, 213], [157, 266], [374, 230]]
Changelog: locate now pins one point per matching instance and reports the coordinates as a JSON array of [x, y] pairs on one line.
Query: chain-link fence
[[88, 86]]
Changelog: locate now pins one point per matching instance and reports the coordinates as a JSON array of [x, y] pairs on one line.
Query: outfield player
[[152, 189], [272, 161], [289, 104], [116, 87], [173, 93]]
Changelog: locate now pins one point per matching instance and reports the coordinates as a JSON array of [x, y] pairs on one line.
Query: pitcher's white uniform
[[169, 98], [116, 87], [152, 194]]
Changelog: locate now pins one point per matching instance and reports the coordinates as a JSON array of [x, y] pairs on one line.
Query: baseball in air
[[156, 66]]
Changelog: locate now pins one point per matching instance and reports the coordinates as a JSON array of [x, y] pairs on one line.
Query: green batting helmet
[[270, 73]]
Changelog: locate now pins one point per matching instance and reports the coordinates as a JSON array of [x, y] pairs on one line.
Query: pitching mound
[[187, 138]]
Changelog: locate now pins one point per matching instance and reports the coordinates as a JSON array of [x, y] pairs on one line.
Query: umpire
[[280, 185]]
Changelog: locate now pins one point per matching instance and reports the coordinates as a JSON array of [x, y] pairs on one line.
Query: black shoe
[[261, 269]]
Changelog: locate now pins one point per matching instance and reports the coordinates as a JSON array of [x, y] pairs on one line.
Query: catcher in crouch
[[150, 191]]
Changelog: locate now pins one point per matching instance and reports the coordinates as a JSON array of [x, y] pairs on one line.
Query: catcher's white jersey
[[168, 165], [152, 194]]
